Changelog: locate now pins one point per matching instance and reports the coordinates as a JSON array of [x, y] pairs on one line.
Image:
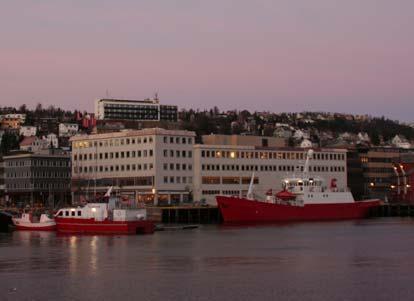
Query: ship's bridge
[[299, 185]]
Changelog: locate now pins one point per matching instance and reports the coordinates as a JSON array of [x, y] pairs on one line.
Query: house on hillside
[[33, 144], [27, 131], [401, 142]]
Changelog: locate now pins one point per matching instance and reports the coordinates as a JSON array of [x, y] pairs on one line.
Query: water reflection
[[73, 254], [333, 261], [93, 254]]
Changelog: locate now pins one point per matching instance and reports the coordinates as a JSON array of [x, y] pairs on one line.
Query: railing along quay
[[389, 210]]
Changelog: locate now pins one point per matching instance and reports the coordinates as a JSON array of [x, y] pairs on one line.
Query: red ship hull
[[239, 210], [90, 226]]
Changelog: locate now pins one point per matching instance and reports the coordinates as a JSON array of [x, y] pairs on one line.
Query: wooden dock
[[386, 210], [185, 215]]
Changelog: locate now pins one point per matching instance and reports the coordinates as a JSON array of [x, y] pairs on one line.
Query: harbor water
[[370, 259]]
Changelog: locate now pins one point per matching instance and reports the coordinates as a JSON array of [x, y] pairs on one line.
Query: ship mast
[[250, 191], [309, 156]]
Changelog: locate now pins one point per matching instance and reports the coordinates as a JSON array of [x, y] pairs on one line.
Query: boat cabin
[[103, 211], [301, 185]]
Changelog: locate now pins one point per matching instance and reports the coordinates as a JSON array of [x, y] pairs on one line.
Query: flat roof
[[146, 101], [260, 148], [132, 133]]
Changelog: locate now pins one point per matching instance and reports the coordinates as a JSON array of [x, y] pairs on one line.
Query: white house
[[27, 131], [299, 135], [52, 140], [400, 141], [68, 129], [33, 144]]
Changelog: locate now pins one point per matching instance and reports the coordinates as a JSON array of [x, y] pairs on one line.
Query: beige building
[[149, 165], [227, 169]]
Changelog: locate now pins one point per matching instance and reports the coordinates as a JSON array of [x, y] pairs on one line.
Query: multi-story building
[[12, 121], [21, 117], [149, 165], [42, 177], [378, 170], [138, 110], [68, 129], [47, 125], [355, 173], [2, 185], [27, 130], [227, 169], [402, 186]]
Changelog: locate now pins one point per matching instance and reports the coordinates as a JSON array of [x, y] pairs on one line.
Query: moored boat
[[112, 217], [27, 222], [303, 198]]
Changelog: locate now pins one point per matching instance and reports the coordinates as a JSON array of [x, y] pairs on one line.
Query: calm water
[[364, 260]]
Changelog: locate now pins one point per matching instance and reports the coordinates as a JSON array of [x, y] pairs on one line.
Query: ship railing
[[129, 206]]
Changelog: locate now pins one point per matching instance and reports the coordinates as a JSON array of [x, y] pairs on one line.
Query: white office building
[[136, 110], [149, 165]]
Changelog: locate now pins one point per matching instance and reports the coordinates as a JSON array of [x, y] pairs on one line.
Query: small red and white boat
[[303, 198], [112, 217], [28, 222]]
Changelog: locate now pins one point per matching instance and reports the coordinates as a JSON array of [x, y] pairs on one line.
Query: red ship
[[303, 198], [112, 217]]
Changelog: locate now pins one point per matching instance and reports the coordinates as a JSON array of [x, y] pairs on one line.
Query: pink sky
[[348, 56]]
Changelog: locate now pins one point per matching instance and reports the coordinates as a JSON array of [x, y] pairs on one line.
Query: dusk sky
[[353, 56]]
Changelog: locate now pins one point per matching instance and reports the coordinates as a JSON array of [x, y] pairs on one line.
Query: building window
[[231, 180], [210, 180]]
